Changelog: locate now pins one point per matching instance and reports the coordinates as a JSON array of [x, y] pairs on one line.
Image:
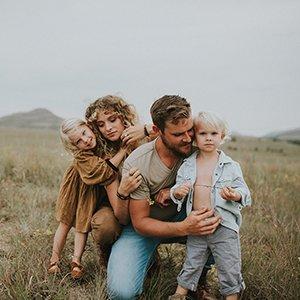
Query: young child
[[209, 178], [80, 191]]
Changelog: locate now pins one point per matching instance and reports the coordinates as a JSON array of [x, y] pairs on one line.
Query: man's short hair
[[169, 108]]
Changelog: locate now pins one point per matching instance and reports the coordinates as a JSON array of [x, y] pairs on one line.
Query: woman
[[111, 119], [116, 126]]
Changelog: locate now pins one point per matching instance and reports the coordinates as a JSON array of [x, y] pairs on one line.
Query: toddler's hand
[[182, 191], [163, 197], [229, 193]]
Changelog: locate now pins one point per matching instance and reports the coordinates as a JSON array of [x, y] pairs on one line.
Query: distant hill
[[39, 118], [287, 135]]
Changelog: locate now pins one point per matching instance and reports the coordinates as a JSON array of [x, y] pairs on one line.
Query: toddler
[[209, 178]]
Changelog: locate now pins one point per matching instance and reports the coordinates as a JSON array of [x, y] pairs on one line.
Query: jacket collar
[[223, 158]]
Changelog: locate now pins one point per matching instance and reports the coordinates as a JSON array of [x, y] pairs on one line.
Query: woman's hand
[[229, 193], [130, 182], [133, 134]]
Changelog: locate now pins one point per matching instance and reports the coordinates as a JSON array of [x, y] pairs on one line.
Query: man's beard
[[175, 150]]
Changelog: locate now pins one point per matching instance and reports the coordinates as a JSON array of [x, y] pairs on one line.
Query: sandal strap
[[76, 265], [52, 264], [53, 267]]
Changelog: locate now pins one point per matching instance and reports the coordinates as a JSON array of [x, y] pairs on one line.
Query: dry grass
[[31, 166]]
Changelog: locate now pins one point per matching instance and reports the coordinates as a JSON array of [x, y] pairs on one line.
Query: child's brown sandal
[[77, 274], [54, 268]]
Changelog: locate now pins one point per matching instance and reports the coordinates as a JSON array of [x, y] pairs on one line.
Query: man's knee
[[105, 226], [122, 284], [122, 292]]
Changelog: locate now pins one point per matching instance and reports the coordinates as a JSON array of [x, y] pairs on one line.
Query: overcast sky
[[239, 59]]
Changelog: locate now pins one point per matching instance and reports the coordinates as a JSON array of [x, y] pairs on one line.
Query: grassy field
[[31, 167]]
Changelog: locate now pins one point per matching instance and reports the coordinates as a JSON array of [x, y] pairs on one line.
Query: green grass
[[32, 163]]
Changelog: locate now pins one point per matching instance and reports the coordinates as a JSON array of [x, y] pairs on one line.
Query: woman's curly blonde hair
[[115, 104]]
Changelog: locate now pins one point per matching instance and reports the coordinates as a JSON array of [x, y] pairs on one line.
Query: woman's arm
[[118, 158], [120, 207], [128, 184]]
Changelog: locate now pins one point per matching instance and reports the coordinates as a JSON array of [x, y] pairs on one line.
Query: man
[[153, 217]]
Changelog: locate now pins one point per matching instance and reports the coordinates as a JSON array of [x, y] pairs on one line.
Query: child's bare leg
[[181, 290], [79, 245], [232, 297], [59, 241], [77, 270]]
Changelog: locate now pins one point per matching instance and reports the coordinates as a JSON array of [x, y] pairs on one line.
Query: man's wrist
[[181, 228]]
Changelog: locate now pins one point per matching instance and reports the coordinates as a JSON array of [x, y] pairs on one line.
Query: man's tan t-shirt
[[156, 176]]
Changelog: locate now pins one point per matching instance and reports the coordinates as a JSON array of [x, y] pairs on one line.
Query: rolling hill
[[287, 135], [39, 118]]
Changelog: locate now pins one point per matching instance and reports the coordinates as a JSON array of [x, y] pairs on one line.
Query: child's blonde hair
[[210, 120], [67, 128]]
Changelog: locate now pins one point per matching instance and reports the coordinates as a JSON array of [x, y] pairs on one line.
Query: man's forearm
[[200, 222], [156, 228]]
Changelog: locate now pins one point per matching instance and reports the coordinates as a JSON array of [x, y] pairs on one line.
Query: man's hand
[[163, 197], [181, 191], [229, 193], [201, 222]]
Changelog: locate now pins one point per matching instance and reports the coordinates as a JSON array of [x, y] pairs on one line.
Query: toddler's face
[[110, 125], [208, 139], [83, 138]]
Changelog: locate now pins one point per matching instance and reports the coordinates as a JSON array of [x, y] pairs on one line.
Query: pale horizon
[[149, 120]]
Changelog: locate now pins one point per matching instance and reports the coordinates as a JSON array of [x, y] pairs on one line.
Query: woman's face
[[110, 125]]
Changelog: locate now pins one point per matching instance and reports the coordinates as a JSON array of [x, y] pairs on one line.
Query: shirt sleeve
[[93, 169], [240, 186]]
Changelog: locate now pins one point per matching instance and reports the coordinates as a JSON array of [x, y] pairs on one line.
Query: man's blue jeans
[[130, 258]]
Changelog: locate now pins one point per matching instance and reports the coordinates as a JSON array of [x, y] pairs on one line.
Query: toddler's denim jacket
[[227, 173]]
